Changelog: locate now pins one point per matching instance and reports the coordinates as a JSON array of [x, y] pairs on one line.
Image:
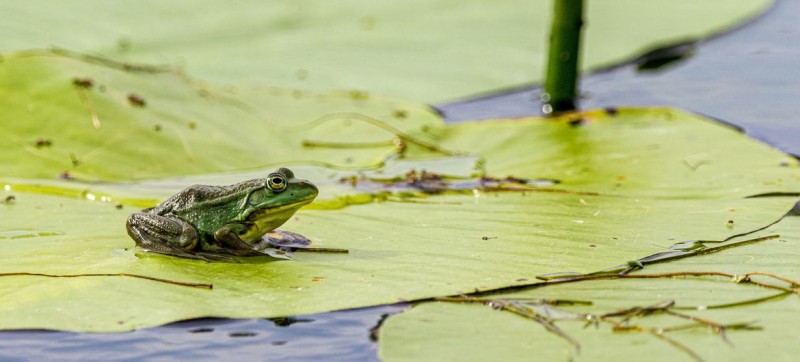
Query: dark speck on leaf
[[136, 100], [577, 122], [592, 246], [488, 237], [400, 113], [85, 83], [157, 127], [65, 176], [43, 142], [192, 125], [118, 206], [10, 199], [612, 111], [522, 279]]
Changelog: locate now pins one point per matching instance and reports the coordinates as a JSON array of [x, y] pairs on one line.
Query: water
[[336, 336], [747, 78]]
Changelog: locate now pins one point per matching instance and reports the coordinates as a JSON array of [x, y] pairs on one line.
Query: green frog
[[202, 222]]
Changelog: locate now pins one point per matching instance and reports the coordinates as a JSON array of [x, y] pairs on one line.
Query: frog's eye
[[276, 182]]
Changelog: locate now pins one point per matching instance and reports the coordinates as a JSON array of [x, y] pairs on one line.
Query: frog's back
[[203, 196]]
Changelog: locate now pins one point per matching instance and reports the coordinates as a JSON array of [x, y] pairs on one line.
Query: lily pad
[[74, 114], [623, 183], [411, 249], [458, 331], [424, 50]]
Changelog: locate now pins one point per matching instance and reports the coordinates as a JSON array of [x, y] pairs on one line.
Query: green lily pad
[[428, 50], [458, 331], [623, 184], [96, 131]]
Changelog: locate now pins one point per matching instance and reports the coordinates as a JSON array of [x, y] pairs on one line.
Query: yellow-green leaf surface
[[183, 127], [632, 183], [427, 50], [447, 331]]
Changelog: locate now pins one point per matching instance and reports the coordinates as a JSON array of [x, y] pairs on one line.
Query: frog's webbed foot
[[163, 235], [284, 240]]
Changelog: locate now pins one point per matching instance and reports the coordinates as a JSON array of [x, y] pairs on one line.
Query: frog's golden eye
[[276, 182]]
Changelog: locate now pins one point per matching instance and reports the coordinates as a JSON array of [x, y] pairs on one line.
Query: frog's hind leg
[[164, 235]]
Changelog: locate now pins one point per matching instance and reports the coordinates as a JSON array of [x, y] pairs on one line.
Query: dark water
[[337, 336], [750, 78]]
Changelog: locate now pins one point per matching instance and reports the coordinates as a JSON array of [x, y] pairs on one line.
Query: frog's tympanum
[[202, 221]]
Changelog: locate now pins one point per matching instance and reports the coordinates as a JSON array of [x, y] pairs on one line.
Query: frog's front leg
[[228, 237], [163, 234]]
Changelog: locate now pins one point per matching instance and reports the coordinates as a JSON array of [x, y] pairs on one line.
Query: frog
[[214, 223]]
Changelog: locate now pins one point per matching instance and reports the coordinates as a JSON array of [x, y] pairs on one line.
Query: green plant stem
[[560, 87]]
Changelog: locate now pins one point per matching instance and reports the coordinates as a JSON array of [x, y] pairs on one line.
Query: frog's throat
[[266, 220]]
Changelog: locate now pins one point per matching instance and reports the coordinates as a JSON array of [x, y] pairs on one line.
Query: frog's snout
[[311, 187], [304, 191]]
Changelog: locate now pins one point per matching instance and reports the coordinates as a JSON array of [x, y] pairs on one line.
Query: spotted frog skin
[[202, 221]]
